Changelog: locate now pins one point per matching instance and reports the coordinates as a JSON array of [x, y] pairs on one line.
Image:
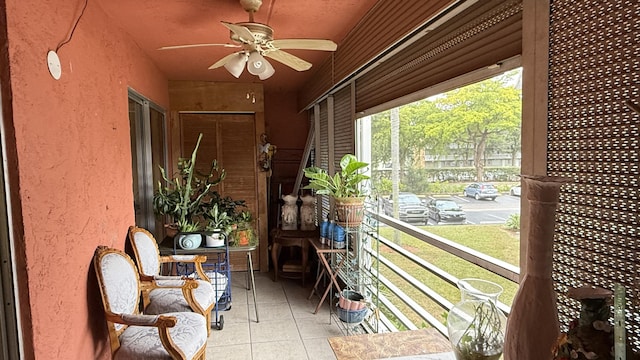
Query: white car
[[515, 191]]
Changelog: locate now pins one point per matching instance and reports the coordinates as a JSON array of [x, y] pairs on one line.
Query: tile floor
[[288, 329]]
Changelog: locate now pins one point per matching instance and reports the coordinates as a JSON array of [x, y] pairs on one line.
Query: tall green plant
[[345, 183], [182, 197]]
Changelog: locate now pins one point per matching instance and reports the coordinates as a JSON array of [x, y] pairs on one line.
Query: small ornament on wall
[[267, 150]]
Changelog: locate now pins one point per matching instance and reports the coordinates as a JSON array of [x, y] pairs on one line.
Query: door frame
[[143, 152]]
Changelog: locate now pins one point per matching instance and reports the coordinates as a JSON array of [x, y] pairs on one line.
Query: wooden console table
[[418, 344], [300, 238]]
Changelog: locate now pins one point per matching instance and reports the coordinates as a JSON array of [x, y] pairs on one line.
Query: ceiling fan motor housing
[[261, 32]]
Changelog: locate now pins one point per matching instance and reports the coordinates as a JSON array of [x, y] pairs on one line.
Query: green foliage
[[345, 183], [233, 208], [183, 196], [462, 124], [513, 222], [217, 219]]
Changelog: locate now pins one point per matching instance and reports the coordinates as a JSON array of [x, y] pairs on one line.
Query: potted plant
[[218, 226], [344, 187], [182, 197], [244, 234]]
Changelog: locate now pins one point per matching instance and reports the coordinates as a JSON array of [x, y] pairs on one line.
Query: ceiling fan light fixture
[[268, 72], [257, 64], [235, 65]]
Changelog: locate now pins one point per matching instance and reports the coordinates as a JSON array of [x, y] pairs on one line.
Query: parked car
[[446, 210], [515, 191], [410, 208], [481, 191]]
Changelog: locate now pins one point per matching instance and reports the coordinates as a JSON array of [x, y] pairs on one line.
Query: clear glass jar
[[476, 326]]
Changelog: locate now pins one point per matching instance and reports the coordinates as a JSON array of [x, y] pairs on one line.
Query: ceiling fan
[[257, 42]]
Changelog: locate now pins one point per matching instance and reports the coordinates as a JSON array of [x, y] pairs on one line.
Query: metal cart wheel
[[221, 322]]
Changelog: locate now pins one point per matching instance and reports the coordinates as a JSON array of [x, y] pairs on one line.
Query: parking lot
[[484, 211], [487, 211]]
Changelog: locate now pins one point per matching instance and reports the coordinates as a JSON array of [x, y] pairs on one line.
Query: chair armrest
[[187, 286], [183, 258], [197, 260], [169, 277], [162, 322], [159, 321]]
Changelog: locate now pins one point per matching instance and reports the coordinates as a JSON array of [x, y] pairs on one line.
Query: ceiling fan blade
[[305, 44], [223, 61], [242, 32], [197, 45], [292, 61]]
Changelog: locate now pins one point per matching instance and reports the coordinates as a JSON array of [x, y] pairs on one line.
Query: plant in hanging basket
[[345, 187]]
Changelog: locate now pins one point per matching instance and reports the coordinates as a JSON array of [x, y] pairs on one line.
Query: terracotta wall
[[73, 149]]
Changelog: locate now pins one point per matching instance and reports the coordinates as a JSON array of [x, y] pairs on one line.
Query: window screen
[[593, 137]]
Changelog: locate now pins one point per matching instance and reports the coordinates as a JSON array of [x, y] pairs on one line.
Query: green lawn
[[492, 240]]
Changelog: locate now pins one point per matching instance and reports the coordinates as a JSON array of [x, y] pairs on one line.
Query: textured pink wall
[[72, 140]]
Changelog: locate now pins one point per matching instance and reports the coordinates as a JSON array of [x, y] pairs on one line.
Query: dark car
[[446, 210], [481, 191], [410, 208]]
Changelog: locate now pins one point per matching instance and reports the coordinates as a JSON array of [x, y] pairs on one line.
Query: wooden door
[[229, 139]]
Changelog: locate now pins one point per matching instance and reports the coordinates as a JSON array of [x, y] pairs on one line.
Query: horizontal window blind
[[482, 35], [343, 136], [594, 138]]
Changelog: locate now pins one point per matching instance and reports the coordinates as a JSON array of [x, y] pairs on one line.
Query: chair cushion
[[166, 300], [143, 342]]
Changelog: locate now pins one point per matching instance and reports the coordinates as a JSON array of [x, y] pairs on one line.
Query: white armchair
[[158, 294], [172, 335]]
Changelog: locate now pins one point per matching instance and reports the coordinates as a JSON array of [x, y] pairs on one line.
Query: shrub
[[513, 222]]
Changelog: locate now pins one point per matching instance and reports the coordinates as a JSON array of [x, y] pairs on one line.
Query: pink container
[[351, 300]]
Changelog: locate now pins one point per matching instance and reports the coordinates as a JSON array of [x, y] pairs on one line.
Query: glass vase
[[476, 326]]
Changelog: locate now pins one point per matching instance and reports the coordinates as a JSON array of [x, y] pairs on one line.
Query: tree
[[411, 140], [467, 122], [475, 114]]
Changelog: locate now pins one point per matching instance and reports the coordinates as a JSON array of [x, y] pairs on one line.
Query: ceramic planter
[[189, 241], [215, 239]]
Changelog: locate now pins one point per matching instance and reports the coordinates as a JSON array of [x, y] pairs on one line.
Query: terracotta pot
[[533, 327], [350, 211], [171, 230]]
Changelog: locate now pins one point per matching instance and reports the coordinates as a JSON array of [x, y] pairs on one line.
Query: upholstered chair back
[[119, 282], [147, 253]]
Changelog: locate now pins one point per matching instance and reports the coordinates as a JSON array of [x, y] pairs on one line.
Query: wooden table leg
[[305, 259], [315, 286], [334, 282], [275, 254]]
